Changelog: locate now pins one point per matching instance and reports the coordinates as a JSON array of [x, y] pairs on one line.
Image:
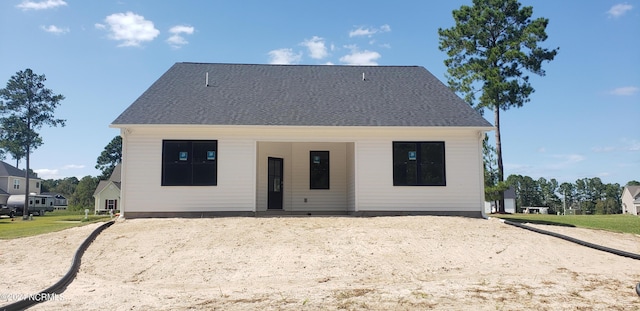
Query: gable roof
[[635, 193], [7, 169], [113, 179], [116, 174], [299, 95]]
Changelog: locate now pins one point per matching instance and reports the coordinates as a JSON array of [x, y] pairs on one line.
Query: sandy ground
[[324, 263]]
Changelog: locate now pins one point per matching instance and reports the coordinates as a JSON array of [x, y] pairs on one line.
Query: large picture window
[[319, 170], [189, 163], [418, 164]]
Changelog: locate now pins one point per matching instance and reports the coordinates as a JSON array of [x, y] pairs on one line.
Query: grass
[[614, 223], [50, 222]]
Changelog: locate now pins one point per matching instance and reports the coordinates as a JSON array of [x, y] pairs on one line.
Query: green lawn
[[50, 222], [615, 223]]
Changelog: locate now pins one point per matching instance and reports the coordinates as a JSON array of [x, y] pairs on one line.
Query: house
[[509, 203], [107, 193], [60, 202], [240, 139], [13, 181], [631, 200]]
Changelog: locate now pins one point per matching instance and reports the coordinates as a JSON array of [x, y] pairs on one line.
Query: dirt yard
[[324, 263]]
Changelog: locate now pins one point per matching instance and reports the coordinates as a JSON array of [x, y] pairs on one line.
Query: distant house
[[241, 139], [631, 200], [509, 203], [107, 193], [59, 200], [13, 181]]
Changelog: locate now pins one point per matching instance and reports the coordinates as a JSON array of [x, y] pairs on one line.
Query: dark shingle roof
[[116, 174], [300, 95], [7, 169]]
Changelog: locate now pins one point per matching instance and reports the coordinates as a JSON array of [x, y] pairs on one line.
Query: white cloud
[[603, 149], [40, 5], [55, 29], [316, 46], [569, 158], [357, 57], [57, 173], [177, 40], [368, 32], [284, 57], [542, 150], [132, 29], [625, 145], [625, 91], [45, 173], [619, 9], [631, 145]]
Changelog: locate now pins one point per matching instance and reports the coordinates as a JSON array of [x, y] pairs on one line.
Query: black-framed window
[[319, 170], [189, 162], [419, 164]]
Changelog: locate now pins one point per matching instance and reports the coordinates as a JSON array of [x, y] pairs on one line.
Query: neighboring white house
[[13, 181], [631, 200], [107, 193], [234, 139], [509, 203]]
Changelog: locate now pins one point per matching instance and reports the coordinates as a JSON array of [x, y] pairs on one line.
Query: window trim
[[189, 163], [419, 182], [313, 183]]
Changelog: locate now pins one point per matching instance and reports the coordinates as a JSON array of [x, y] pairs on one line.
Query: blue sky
[[582, 121]]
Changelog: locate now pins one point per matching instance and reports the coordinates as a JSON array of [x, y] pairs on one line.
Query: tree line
[[589, 195], [79, 193]]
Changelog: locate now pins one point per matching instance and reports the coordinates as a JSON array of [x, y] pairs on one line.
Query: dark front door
[[275, 183]]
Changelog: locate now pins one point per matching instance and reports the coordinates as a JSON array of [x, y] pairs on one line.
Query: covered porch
[[301, 178]]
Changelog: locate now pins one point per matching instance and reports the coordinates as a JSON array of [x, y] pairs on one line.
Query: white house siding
[[9, 181], [361, 172], [110, 192], [141, 178], [463, 191], [628, 206], [296, 176], [276, 150], [351, 178]]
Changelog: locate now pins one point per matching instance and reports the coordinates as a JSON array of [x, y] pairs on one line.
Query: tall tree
[[491, 45], [492, 187], [567, 190], [83, 195], [27, 106], [110, 157], [13, 138]]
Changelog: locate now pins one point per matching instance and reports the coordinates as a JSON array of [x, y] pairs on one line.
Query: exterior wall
[[9, 180], [351, 178], [142, 170], [110, 192], [361, 172], [464, 186], [628, 207], [276, 150], [296, 177], [509, 206]]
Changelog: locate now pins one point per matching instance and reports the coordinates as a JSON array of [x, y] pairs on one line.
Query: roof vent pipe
[[206, 79], [363, 77]]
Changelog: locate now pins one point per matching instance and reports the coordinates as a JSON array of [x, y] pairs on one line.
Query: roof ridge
[[300, 65]]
